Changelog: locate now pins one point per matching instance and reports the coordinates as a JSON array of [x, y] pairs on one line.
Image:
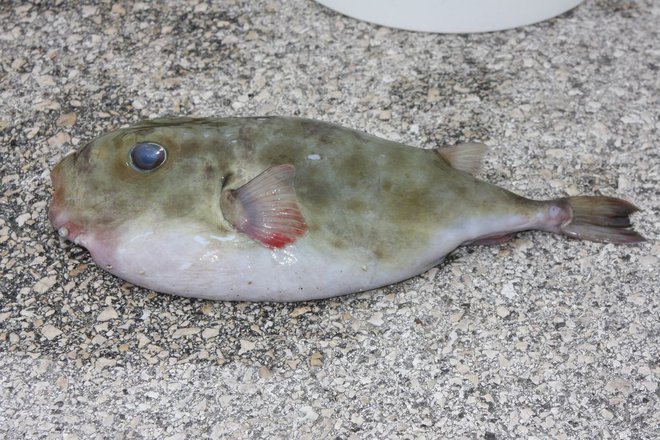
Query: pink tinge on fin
[[266, 208], [464, 157]]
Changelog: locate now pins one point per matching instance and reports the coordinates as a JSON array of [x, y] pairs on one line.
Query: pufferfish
[[290, 209]]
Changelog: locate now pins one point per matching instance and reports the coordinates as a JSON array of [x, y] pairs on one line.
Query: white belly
[[188, 260]]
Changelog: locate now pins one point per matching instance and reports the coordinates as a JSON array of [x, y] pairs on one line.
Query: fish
[[291, 209]]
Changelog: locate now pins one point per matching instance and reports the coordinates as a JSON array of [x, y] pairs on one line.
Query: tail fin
[[597, 218]]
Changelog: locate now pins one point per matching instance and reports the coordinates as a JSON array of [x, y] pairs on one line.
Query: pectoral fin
[[464, 157], [266, 208]]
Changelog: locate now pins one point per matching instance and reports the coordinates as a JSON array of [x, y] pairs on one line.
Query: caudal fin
[[597, 218]]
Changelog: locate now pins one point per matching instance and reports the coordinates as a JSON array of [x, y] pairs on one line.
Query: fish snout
[[55, 209], [59, 212]]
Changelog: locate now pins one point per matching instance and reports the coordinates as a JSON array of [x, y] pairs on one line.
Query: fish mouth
[[70, 231], [65, 227]]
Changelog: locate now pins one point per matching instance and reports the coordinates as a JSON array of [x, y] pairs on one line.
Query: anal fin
[[465, 157], [490, 239], [266, 208]]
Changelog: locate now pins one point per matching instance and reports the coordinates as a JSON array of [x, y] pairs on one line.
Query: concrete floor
[[540, 337]]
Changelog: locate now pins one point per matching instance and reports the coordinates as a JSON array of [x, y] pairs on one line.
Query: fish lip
[[65, 227]]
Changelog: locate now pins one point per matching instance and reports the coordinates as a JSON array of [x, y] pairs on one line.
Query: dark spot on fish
[[356, 205], [338, 243], [314, 192], [278, 153], [189, 148], [324, 134], [355, 170], [246, 151], [178, 205], [209, 172], [379, 253], [461, 191]]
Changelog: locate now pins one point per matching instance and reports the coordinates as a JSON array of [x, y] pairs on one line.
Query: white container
[[452, 16]]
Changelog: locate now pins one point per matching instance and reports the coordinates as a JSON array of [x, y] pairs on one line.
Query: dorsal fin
[[266, 208], [465, 157]]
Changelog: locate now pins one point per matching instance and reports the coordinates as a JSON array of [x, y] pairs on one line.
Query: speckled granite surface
[[541, 337]]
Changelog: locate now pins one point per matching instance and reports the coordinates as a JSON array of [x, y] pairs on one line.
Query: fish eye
[[147, 156]]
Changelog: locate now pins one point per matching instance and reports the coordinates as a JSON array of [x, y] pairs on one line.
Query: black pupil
[[147, 156]]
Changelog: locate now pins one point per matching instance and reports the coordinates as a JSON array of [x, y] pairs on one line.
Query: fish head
[[139, 178]]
